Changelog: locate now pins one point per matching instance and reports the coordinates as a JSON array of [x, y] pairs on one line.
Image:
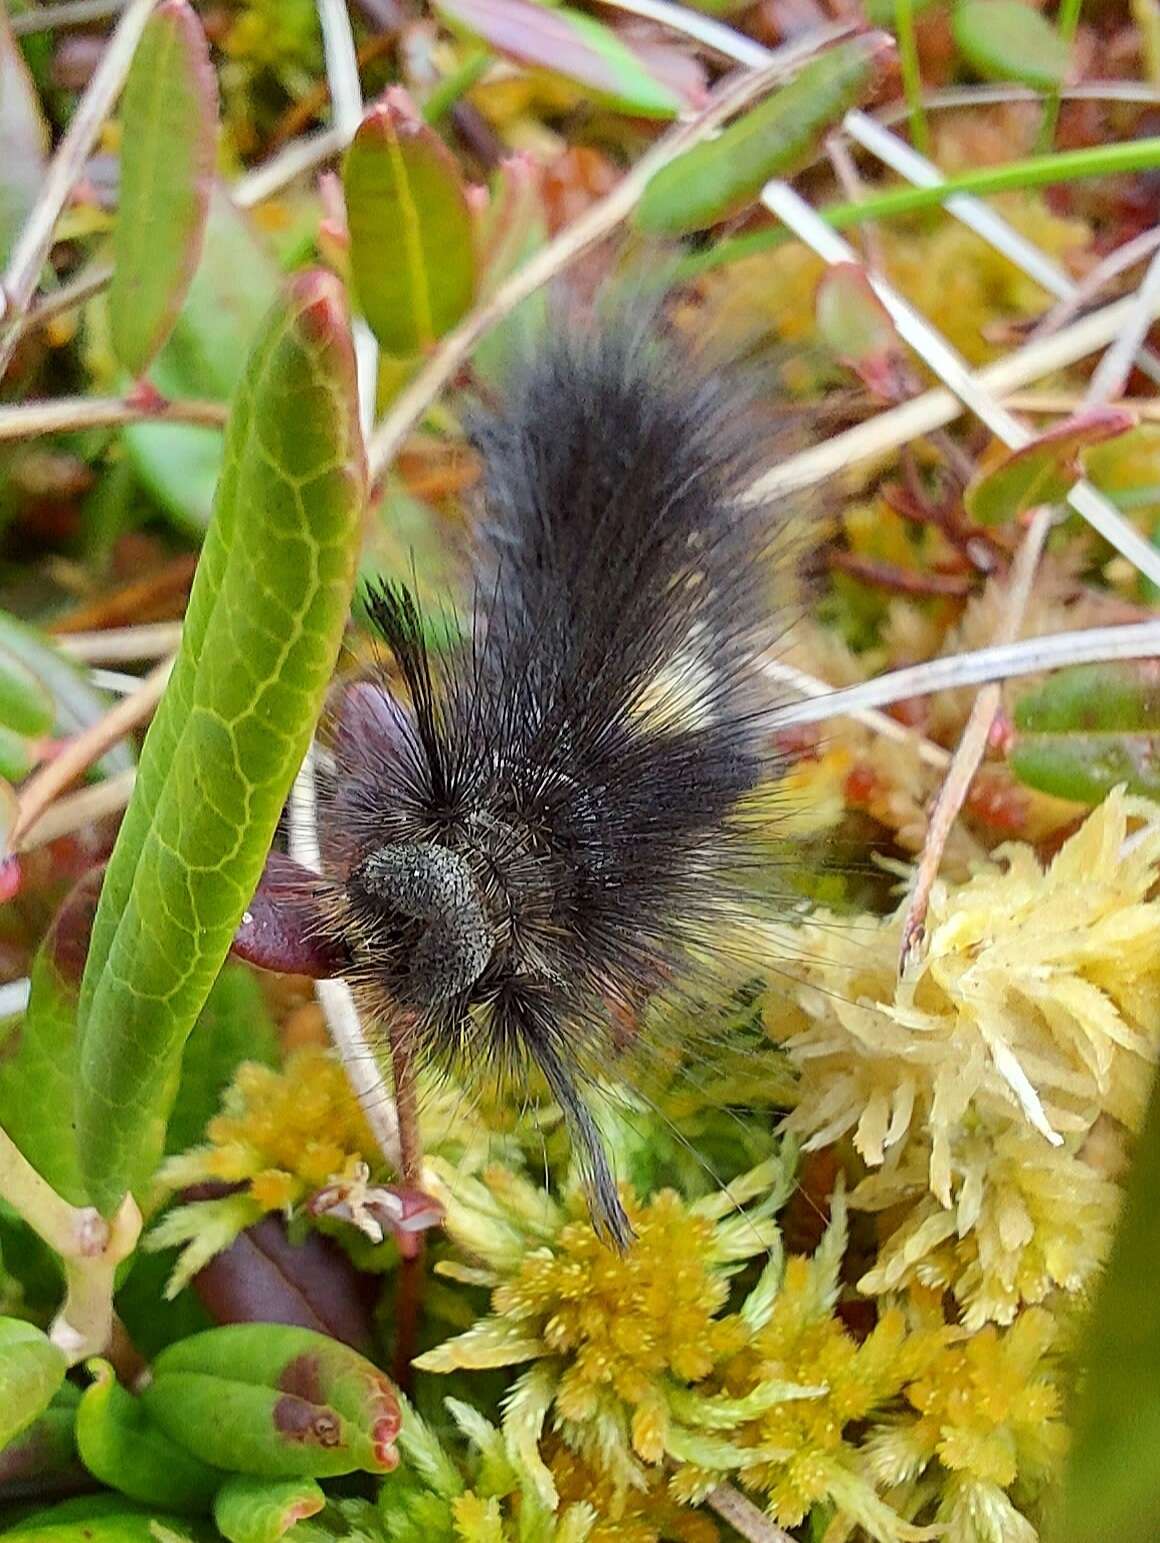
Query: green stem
[[911, 74], [53, 1220], [1068, 25], [445, 95], [89, 1247], [1037, 171]]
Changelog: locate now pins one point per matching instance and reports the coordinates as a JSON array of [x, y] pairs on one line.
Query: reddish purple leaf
[[265, 1278]]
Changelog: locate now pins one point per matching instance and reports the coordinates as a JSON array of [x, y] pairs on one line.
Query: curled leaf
[[121, 1446], [263, 1510], [275, 1402]]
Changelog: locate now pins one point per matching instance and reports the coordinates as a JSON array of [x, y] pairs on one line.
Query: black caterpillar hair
[[524, 851]]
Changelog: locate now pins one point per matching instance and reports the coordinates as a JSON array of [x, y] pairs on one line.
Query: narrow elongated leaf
[[263, 1510], [1006, 40], [262, 631], [412, 242], [275, 1402], [719, 177], [121, 1446], [1089, 729], [23, 139], [31, 1370], [1044, 471], [36, 1083], [571, 44], [235, 284], [169, 128], [1111, 1484]]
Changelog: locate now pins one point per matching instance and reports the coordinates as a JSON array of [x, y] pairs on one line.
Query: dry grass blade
[[76, 810], [65, 415], [79, 753], [934, 350], [121, 645], [887, 431], [1001, 661], [744, 1517]]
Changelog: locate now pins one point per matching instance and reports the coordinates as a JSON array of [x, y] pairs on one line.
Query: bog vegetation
[[894, 1190]]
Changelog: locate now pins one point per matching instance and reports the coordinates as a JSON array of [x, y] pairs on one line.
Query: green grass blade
[[263, 627]]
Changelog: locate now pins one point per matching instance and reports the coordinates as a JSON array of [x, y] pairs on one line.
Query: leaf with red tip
[[1044, 471], [412, 237], [249, 1510], [275, 1402], [282, 927], [569, 43], [857, 326], [264, 1278], [168, 140]]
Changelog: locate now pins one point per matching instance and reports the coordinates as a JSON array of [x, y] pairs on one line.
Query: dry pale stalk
[[75, 758]]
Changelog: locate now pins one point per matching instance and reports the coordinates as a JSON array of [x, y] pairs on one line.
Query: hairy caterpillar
[[522, 849]]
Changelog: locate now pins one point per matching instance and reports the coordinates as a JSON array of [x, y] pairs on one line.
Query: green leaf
[[412, 243], [120, 1445], [720, 177], [25, 651], [31, 1370], [263, 1510], [1088, 730], [261, 635], [1004, 40], [26, 705], [1111, 1486], [275, 1402], [23, 140], [569, 43], [1044, 471], [168, 135], [234, 1026], [235, 284], [36, 1083], [96, 1519], [857, 326]]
